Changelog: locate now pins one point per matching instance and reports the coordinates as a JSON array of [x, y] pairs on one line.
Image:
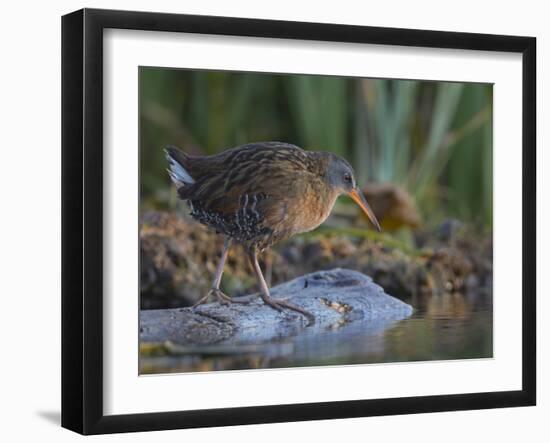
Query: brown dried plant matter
[[179, 256], [178, 259]]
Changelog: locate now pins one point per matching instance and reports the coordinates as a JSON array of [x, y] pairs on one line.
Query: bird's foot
[[281, 305], [222, 298]]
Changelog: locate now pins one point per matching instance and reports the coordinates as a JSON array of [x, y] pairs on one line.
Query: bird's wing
[[254, 177]]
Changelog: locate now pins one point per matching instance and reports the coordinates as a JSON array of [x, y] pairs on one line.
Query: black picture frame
[[82, 220]]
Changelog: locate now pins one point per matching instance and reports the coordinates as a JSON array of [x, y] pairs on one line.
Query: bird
[[259, 194]]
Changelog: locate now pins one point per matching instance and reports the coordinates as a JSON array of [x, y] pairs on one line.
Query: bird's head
[[341, 178]]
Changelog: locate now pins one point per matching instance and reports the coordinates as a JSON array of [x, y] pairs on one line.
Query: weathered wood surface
[[337, 297]]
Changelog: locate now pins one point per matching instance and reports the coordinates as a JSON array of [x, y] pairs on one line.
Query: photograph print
[[291, 220]]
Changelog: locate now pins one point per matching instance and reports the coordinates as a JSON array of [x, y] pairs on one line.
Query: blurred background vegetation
[[432, 139]]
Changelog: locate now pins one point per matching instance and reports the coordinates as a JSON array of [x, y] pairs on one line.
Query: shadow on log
[[336, 298]]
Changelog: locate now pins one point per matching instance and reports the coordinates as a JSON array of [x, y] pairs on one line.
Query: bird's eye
[[347, 178]]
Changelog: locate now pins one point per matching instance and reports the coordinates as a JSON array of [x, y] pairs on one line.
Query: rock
[[336, 297]]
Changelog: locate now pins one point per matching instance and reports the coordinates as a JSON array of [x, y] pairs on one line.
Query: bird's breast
[[309, 212]]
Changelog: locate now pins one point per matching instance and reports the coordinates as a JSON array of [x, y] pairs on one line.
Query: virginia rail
[[259, 194]]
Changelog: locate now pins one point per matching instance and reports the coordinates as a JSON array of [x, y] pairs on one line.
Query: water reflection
[[447, 326]]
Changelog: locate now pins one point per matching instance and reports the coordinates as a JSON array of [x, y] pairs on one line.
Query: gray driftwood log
[[337, 297]]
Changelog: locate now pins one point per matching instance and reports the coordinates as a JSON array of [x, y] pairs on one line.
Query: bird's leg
[[277, 304], [215, 289], [268, 262]]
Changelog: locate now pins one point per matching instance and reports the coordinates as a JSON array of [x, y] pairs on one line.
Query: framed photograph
[[268, 221]]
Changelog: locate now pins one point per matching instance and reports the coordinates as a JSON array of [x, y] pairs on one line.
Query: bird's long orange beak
[[360, 199]]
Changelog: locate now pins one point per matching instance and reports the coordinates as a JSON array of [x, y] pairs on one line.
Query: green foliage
[[319, 112], [433, 138]]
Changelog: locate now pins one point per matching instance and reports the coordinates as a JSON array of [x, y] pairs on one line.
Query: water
[[443, 327]]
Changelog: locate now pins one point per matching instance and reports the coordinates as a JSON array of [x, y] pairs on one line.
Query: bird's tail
[[177, 169]]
